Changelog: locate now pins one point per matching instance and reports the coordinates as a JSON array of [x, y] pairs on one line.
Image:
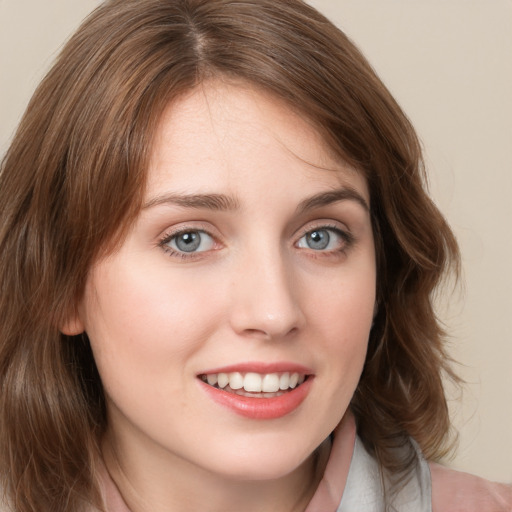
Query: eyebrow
[[218, 202], [222, 202], [333, 196]]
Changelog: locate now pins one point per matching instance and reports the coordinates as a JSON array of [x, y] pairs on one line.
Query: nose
[[265, 298]]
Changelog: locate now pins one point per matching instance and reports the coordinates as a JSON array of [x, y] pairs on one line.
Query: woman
[[217, 260]]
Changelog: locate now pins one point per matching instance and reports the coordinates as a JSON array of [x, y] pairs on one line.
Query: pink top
[[451, 491], [454, 491]]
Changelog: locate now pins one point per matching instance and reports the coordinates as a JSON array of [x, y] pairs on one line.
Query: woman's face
[[231, 326]]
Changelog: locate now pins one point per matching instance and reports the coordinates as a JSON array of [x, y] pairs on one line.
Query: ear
[[72, 325]]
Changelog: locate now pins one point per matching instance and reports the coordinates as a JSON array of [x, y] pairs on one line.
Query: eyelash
[[348, 241], [168, 237], [347, 237]]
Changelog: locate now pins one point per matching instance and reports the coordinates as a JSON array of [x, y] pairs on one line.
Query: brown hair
[[73, 180]]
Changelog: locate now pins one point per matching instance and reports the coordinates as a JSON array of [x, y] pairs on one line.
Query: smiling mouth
[[255, 385]]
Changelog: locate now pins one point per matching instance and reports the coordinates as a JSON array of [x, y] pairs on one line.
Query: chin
[[260, 461], [261, 471]]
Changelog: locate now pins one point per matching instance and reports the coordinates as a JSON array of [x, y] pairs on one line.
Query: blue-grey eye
[[321, 239], [191, 241]]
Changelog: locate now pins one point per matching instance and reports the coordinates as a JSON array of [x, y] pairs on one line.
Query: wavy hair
[[72, 181]]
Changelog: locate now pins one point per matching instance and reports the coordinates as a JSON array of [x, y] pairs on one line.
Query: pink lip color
[[262, 368], [260, 408]]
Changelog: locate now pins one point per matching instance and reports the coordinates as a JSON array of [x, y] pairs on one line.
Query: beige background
[[449, 64]]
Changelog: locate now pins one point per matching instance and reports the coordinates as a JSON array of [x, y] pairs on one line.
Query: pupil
[[188, 242], [318, 239]]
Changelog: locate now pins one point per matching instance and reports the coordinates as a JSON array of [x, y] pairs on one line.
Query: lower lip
[[260, 408]]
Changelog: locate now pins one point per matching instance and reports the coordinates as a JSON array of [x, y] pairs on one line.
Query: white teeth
[[270, 383], [254, 382], [236, 380], [211, 378], [222, 380]]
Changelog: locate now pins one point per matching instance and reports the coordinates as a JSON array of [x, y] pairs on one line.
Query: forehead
[[226, 135]]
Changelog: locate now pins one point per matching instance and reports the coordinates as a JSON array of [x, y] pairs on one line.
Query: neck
[[176, 489]]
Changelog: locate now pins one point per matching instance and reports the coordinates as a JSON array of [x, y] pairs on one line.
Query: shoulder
[[454, 491]]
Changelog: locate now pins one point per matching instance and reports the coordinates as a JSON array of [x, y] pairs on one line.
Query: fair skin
[[253, 254]]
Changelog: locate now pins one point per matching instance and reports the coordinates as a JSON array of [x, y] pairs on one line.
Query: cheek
[[342, 316], [344, 306], [142, 306], [144, 335], [142, 327]]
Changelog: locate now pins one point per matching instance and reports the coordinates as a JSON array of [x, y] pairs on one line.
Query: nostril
[[269, 334]]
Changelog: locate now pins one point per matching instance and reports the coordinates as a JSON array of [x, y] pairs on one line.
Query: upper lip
[[260, 367]]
